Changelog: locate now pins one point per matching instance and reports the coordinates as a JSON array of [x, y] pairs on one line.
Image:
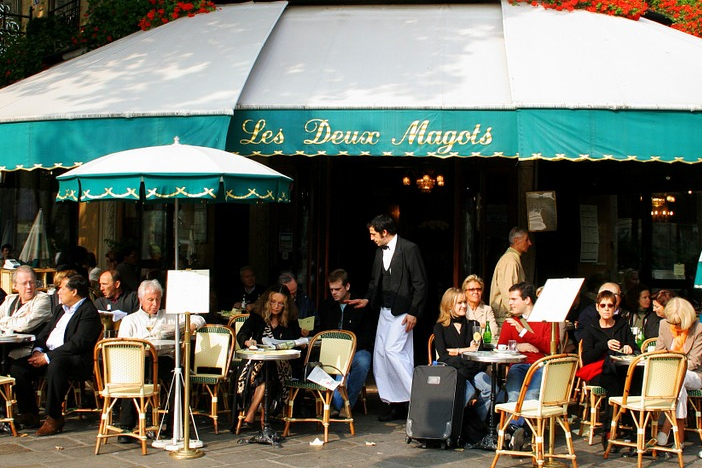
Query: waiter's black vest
[[388, 296]]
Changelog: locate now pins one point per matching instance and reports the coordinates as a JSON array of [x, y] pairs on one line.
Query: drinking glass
[[476, 329], [512, 345]]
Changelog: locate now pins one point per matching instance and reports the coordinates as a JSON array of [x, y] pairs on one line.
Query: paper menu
[[307, 323]]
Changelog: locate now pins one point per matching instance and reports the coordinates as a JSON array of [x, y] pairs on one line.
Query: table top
[[499, 357], [268, 354], [625, 359], [16, 338]]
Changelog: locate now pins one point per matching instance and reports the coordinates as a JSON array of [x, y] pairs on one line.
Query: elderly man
[[508, 272], [114, 297], [63, 350], [24, 312], [248, 292], [145, 324], [305, 306]]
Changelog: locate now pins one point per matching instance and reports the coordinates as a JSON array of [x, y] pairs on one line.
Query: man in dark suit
[[398, 290], [63, 350]]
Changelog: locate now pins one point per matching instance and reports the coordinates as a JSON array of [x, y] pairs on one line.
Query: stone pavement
[[375, 444]]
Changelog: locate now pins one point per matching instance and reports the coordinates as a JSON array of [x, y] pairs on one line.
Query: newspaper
[[320, 377], [272, 343]]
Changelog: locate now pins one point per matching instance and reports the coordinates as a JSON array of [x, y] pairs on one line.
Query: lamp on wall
[[426, 182], [661, 207]]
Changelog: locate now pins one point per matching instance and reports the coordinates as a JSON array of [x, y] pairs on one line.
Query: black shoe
[[397, 411], [124, 439], [28, 420], [247, 426]]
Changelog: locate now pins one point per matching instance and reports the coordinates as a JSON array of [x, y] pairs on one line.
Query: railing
[[69, 12], [10, 25]]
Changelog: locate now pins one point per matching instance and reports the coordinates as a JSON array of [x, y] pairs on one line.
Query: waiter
[[398, 290]]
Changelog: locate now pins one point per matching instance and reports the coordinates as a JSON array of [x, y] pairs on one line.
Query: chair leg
[[677, 438], [500, 439], [612, 429], [364, 395], [569, 440], [326, 414], [7, 394], [291, 402]]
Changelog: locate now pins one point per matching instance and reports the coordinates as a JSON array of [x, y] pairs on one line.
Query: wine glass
[[150, 324]]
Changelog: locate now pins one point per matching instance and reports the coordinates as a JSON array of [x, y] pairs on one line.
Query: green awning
[[552, 134]]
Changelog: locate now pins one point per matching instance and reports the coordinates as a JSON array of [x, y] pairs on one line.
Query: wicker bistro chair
[[6, 393], [556, 385], [694, 401], [214, 348], [336, 354], [649, 342], [663, 375], [120, 366], [591, 398]]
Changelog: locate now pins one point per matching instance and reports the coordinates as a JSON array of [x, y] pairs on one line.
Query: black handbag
[[309, 367]]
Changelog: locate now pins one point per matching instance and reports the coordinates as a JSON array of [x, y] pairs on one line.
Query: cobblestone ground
[[374, 445]]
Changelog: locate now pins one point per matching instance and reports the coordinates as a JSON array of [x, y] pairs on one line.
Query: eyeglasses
[[607, 306], [474, 289], [277, 304]]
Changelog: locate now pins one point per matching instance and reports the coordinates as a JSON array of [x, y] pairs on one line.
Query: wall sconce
[[425, 183], [661, 211]]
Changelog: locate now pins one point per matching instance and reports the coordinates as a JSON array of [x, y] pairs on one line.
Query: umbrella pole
[[175, 232]]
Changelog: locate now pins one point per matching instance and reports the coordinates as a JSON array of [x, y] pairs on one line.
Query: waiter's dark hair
[[525, 290], [382, 223], [79, 284]]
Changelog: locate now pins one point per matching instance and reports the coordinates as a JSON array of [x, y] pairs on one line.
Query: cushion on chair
[[532, 409], [652, 404]]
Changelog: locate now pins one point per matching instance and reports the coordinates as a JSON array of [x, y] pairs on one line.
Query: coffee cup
[[501, 347]]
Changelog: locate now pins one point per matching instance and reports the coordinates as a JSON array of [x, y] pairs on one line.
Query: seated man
[[114, 297], [145, 324], [305, 306], [24, 312], [335, 314], [63, 350], [533, 340]]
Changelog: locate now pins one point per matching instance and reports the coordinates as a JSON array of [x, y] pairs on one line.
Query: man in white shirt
[[147, 323], [24, 312], [63, 350]]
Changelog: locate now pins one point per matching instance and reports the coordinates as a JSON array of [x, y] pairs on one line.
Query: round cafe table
[[495, 359], [267, 435], [7, 342]]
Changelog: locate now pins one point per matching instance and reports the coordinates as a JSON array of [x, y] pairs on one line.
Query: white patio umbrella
[[171, 173]]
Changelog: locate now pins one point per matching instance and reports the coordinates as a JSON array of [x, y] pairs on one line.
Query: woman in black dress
[[274, 316], [608, 336]]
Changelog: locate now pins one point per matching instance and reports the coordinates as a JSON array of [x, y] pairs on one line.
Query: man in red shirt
[[533, 340]]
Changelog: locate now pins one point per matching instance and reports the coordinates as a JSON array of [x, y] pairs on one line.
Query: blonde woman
[[453, 335], [681, 332], [473, 287]]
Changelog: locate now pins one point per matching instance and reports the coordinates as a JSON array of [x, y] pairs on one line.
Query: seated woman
[[641, 314], [660, 300], [274, 316], [453, 335], [602, 338], [681, 332], [473, 287]]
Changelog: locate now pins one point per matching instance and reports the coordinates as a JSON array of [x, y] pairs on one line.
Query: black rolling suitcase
[[436, 406]]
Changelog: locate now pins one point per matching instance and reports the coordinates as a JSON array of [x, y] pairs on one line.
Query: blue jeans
[[354, 382], [515, 379], [482, 383]]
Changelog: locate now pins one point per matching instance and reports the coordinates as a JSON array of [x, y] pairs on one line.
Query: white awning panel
[[192, 66], [374, 56]]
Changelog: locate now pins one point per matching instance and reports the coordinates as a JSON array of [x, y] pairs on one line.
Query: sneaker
[[662, 439]]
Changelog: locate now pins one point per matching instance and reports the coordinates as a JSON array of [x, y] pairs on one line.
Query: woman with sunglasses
[[473, 287], [608, 336], [681, 332], [274, 316]]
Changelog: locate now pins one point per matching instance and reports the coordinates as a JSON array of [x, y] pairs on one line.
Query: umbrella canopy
[[36, 247], [174, 172]]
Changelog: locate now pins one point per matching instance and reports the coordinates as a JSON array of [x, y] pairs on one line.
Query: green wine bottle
[[487, 334]]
